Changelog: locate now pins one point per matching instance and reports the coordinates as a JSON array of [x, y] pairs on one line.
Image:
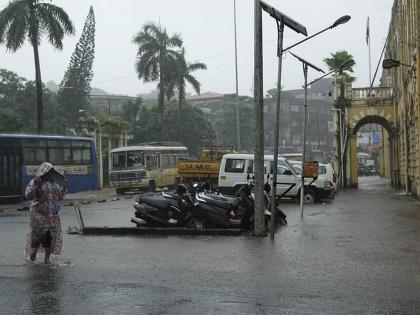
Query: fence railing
[[375, 92]]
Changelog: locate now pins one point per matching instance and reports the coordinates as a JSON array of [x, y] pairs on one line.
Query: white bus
[[145, 166]]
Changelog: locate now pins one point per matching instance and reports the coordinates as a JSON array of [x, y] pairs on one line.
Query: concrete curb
[[159, 231]]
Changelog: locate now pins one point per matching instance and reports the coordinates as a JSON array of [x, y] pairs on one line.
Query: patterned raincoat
[[46, 199]]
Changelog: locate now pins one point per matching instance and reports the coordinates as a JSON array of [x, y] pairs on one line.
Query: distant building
[[320, 135]]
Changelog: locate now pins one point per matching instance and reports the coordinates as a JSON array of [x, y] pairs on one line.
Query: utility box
[[311, 169]]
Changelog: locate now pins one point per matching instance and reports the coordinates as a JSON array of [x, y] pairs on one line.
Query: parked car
[[234, 170], [326, 173]]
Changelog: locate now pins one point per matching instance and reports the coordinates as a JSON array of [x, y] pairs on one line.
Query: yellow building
[[403, 45]]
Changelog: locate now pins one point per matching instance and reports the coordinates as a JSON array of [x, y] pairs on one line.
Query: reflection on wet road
[[357, 254]]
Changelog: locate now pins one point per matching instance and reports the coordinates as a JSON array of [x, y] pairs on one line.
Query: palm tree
[[156, 58], [181, 76], [30, 19], [339, 58]]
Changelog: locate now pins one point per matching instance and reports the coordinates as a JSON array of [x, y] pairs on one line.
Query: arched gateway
[[364, 106]]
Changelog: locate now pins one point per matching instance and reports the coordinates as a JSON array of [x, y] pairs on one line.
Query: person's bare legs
[[47, 255], [33, 253]]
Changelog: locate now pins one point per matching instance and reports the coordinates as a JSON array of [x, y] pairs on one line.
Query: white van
[[326, 173], [235, 167]]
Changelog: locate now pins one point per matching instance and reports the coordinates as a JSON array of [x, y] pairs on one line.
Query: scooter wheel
[[195, 224]]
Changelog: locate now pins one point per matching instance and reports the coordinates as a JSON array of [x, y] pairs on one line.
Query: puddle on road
[[54, 264], [412, 215]]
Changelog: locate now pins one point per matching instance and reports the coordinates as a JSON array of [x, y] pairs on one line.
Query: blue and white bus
[[21, 155]]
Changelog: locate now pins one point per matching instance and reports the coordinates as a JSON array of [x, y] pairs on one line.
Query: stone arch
[[373, 119], [355, 124]]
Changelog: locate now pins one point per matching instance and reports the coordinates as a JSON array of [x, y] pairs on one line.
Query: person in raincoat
[[46, 192]]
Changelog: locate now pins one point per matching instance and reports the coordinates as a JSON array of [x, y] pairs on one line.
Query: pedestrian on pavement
[[46, 192]]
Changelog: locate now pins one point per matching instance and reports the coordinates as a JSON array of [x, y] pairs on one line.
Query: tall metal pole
[[342, 148], [280, 26], [238, 135], [302, 181], [259, 221], [101, 164], [370, 60]]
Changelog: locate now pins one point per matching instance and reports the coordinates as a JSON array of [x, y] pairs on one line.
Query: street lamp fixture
[[284, 19], [339, 69], [392, 63], [339, 21], [306, 65]]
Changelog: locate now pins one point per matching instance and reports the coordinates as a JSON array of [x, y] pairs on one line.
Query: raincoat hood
[[44, 168]]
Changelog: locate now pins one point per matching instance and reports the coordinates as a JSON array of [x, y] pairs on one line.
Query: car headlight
[[328, 184]]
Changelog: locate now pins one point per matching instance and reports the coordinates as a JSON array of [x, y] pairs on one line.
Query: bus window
[[118, 160], [67, 159], [81, 156], [151, 162], [34, 156], [135, 158], [55, 156]]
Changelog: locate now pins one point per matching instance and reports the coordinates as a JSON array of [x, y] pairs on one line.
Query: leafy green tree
[[11, 87], [195, 132], [75, 86], [156, 57], [16, 105], [10, 121], [181, 76], [225, 126], [131, 110], [337, 59], [30, 19]]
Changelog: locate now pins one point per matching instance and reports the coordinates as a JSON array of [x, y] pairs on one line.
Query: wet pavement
[[359, 253]]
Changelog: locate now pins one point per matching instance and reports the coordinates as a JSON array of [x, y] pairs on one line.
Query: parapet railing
[[375, 92]]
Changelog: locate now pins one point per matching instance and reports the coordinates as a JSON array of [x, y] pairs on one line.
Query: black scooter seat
[[155, 202], [172, 196], [219, 203]]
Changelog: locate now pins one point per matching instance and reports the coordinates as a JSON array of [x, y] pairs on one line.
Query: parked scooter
[[218, 211], [166, 210], [280, 216]]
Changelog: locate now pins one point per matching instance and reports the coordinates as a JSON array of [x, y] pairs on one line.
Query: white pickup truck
[[235, 168]]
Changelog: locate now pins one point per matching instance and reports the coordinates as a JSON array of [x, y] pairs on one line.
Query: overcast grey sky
[[206, 27]]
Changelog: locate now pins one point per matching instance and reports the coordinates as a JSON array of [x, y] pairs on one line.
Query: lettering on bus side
[[198, 167], [63, 169]]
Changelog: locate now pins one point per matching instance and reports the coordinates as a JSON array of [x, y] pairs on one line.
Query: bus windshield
[[127, 160], [135, 159]]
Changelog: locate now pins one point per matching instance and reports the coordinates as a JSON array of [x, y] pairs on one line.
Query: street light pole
[[306, 65], [280, 28], [259, 221], [302, 179], [238, 135], [281, 20]]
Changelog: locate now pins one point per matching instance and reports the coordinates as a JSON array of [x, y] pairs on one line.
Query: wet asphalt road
[[357, 254]]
